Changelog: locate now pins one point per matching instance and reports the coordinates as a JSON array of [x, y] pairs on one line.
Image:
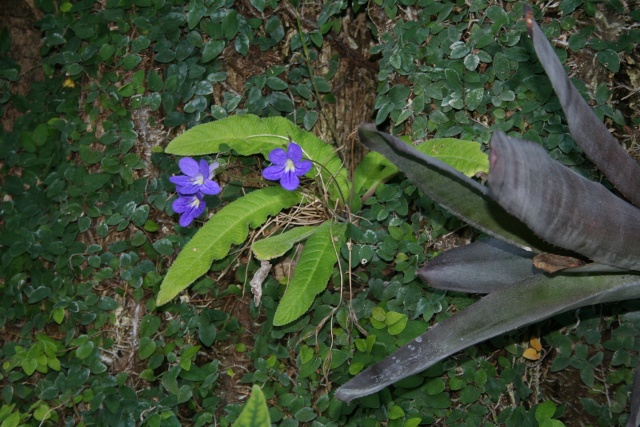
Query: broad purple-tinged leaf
[[506, 309], [587, 130], [634, 416], [480, 267], [562, 207], [462, 196]]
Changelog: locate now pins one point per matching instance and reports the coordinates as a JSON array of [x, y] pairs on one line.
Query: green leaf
[[12, 420], [43, 412], [255, 412], [372, 170], [93, 182], [395, 412], [466, 156], [310, 119], [213, 241], [305, 415], [396, 323], [312, 273], [471, 61], [163, 247], [146, 348], [610, 59], [85, 350], [275, 246], [212, 49], [184, 393], [545, 411], [29, 365], [474, 98], [249, 135], [197, 12]]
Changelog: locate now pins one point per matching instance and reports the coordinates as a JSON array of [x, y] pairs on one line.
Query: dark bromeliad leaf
[[634, 416], [480, 267], [587, 130], [536, 298], [562, 207], [464, 197]]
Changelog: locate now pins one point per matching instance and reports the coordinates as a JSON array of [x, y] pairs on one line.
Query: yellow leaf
[[535, 343], [531, 354]]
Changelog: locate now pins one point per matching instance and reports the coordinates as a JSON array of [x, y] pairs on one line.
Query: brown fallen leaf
[[551, 263]]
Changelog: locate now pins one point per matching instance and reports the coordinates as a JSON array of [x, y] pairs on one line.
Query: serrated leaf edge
[[213, 241]]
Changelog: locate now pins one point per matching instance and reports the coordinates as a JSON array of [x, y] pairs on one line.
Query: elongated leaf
[[312, 273], [465, 156], [562, 207], [634, 416], [480, 267], [255, 412], [213, 241], [373, 169], [275, 246], [249, 135], [587, 130], [506, 309], [461, 195]]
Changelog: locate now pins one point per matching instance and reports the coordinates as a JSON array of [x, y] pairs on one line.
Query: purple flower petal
[[197, 177], [180, 180], [189, 166], [204, 168], [185, 184], [278, 156], [303, 167], [295, 152], [190, 207], [289, 181], [273, 172], [188, 217], [210, 187], [181, 204], [212, 167]]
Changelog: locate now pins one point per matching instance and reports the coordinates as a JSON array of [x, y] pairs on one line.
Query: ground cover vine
[[90, 220]]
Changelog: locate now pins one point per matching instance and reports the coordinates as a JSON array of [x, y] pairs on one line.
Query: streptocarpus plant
[[533, 205], [306, 155]]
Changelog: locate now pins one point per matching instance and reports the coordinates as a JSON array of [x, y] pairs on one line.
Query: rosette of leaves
[[558, 241], [250, 135]]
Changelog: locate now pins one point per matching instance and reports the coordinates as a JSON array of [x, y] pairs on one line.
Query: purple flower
[[197, 177], [287, 167], [190, 206]]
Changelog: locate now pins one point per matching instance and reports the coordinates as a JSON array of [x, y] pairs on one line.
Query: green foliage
[[544, 414], [87, 230], [250, 134], [465, 156], [276, 246], [213, 241], [313, 271], [255, 412]]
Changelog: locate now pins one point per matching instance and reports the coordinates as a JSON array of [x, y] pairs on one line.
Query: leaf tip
[[528, 19]]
